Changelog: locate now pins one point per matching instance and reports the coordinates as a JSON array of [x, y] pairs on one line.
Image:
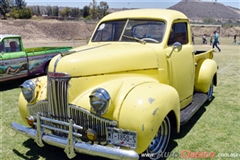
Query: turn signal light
[[30, 120], [91, 134]]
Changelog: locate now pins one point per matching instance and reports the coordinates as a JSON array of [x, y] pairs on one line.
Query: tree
[[102, 9], [4, 8], [20, 4], [35, 10], [93, 10], [38, 10], [49, 11], [75, 12], [24, 13], [86, 11], [55, 11], [66, 12]]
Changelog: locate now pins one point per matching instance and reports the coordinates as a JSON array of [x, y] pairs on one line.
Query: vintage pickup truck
[[124, 93], [17, 62]]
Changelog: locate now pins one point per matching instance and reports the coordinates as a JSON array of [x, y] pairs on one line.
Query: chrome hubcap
[[210, 92], [160, 141]]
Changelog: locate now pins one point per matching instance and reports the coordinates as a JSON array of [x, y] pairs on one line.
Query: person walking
[[215, 41], [210, 40], [235, 39], [193, 38]]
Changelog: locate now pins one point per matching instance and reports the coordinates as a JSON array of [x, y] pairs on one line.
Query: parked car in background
[[123, 93], [17, 62]]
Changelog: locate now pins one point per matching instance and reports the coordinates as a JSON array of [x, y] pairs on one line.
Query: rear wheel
[[160, 142], [210, 92]]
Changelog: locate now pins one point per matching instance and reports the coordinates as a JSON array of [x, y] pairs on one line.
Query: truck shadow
[[11, 84], [184, 130], [189, 125]]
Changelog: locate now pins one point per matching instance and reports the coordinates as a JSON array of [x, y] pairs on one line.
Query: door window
[[11, 45], [178, 33]]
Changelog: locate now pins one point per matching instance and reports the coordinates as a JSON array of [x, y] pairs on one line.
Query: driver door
[[13, 61], [182, 62]]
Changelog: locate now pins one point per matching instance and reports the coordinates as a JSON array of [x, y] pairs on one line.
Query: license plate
[[121, 137]]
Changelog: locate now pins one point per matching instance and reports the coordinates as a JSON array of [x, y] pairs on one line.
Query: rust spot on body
[[151, 100], [155, 111], [142, 127]]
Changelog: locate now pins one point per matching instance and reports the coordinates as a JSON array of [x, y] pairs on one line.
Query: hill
[[198, 10]]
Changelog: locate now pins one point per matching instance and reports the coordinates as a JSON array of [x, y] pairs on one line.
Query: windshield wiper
[[135, 38]]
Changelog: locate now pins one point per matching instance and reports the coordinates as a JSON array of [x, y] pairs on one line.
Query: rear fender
[[206, 72], [144, 109]]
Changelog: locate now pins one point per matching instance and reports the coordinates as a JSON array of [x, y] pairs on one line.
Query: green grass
[[214, 128]]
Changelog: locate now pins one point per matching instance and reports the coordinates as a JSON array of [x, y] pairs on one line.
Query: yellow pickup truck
[[124, 93]]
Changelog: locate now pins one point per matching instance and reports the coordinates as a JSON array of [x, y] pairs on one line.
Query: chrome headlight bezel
[[100, 101], [28, 90]]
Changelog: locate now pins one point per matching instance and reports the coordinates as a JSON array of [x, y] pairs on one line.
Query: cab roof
[[8, 36], [164, 14]]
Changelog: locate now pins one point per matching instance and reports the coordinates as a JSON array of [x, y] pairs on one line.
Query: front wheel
[[160, 142]]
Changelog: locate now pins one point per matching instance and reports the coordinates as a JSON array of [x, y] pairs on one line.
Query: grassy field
[[214, 128]]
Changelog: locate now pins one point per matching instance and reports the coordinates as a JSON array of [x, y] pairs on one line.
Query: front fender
[[144, 109], [40, 94], [205, 71]]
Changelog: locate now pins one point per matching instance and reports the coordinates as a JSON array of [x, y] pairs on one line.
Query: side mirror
[[177, 47]]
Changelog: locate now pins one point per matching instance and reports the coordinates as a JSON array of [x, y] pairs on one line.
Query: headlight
[[28, 92], [100, 101]]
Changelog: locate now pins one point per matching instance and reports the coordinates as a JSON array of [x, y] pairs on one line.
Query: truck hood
[[106, 58]]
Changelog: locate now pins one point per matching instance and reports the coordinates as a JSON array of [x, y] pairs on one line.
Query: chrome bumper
[[72, 146]]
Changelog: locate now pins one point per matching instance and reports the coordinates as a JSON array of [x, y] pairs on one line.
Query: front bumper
[[70, 146]]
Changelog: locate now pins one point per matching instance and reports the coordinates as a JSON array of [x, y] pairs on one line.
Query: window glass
[[132, 30], [147, 30], [178, 33], [11, 45], [109, 31]]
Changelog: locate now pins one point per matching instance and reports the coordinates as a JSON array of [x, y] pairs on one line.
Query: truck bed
[[203, 54]]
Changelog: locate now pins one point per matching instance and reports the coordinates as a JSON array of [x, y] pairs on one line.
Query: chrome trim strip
[[80, 147], [56, 62]]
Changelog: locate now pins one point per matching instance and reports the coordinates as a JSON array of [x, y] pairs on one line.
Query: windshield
[[148, 31]]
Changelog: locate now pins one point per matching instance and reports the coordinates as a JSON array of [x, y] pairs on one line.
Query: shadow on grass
[[49, 153], [184, 129], [189, 125], [11, 84]]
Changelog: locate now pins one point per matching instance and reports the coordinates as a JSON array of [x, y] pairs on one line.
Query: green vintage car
[[17, 62]]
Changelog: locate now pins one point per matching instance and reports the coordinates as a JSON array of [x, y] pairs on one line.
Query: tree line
[[18, 9]]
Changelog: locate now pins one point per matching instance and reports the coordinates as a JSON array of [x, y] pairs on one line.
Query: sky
[[123, 3]]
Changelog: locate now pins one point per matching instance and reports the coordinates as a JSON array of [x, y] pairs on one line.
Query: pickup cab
[[124, 93], [17, 62]]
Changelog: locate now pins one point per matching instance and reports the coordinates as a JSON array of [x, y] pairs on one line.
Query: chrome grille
[[41, 107], [57, 108], [80, 116], [58, 97], [88, 120]]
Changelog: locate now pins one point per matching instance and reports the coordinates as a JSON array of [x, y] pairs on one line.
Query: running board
[[198, 100]]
